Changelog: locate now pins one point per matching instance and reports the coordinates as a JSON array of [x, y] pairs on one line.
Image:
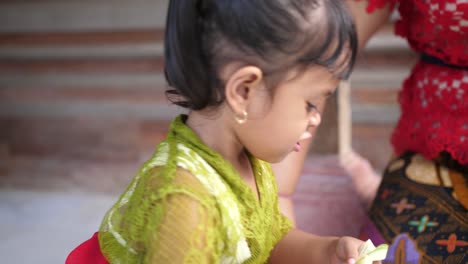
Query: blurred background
[[82, 105]]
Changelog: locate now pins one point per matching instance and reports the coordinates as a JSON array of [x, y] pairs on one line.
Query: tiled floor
[[42, 227]]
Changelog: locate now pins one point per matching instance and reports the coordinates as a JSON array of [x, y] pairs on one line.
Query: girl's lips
[[297, 147], [304, 136]]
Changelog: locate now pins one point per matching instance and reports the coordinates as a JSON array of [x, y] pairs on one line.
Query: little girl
[[252, 74]]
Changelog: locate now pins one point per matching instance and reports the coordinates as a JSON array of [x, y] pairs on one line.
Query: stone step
[[69, 15], [103, 110], [82, 80], [79, 138], [112, 65], [84, 37], [85, 94], [74, 45], [117, 51]]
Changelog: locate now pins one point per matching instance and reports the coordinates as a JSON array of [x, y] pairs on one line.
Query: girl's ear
[[241, 86]]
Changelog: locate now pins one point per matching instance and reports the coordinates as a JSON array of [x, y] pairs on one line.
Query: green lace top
[[189, 205]]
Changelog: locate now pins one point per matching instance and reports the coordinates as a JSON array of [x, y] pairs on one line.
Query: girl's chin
[[280, 158]]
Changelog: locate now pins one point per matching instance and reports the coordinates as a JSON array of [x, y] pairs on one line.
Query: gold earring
[[241, 119]]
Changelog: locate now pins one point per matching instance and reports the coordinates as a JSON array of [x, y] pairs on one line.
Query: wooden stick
[[344, 119]]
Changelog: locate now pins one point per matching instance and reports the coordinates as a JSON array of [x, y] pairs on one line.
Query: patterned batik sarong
[[419, 212]]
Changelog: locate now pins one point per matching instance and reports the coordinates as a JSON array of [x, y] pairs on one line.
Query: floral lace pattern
[[434, 103], [436, 27]]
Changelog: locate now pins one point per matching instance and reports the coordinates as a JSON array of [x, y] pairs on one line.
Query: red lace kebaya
[[434, 98]]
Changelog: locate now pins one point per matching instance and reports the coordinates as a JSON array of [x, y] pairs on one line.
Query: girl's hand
[[346, 251]]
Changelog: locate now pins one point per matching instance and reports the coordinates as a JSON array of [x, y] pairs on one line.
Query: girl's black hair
[[202, 36]]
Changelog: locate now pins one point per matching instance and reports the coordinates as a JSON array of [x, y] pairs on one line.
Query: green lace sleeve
[[186, 230], [172, 222]]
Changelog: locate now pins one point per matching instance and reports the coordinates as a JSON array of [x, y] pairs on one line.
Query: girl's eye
[[310, 107]]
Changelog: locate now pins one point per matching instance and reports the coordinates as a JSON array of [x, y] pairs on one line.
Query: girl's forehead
[[313, 73], [317, 81]]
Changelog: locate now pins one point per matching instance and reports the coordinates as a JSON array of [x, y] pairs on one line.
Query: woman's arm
[[364, 179], [368, 23]]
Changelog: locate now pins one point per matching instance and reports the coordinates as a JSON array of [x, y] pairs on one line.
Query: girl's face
[[277, 124]]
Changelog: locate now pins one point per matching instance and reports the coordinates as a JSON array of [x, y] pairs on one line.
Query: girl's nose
[[315, 119]]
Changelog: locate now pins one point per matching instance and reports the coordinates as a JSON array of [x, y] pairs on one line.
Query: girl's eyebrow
[[330, 92]]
